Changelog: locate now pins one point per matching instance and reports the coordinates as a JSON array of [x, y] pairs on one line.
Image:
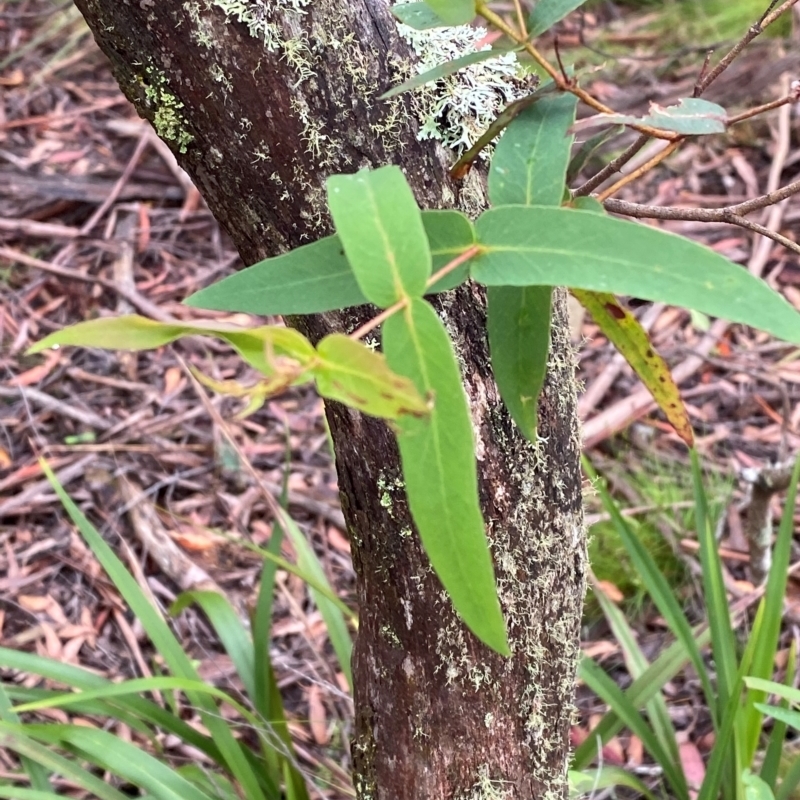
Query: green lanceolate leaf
[[588, 148], [419, 16], [450, 233], [317, 277], [625, 332], [132, 332], [308, 280], [529, 246], [691, 116], [453, 12], [438, 457], [529, 166], [518, 322], [350, 372], [547, 12], [380, 226], [443, 70]]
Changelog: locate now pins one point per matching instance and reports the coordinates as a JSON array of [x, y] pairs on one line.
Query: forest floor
[[96, 218]]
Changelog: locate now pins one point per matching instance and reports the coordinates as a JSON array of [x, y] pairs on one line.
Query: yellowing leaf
[[626, 333], [350, 372]]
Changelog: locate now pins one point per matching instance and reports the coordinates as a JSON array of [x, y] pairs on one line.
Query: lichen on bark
[[262, 126]]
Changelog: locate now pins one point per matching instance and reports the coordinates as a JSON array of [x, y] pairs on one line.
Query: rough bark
[[259, 121]]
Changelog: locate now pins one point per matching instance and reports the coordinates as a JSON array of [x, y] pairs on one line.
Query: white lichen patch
[[259, 15], [458, 109]]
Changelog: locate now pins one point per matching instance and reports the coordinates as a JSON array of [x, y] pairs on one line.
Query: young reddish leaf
[[438, 457], [351, 373], [630, 338]]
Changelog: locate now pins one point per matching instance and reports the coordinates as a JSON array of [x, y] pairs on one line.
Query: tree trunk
[[261, 101]]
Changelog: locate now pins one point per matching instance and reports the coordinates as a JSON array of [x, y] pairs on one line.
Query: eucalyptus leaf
[[380, 227], [546, 13], [534, 245], [453, 12], [690, 116], [530, 161], [317, 277], [419, 16], [518, 323], [350, 372], [440, 472]]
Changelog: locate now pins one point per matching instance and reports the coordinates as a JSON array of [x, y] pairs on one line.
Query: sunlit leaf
[[530, 161], [531, 245], [380, 227], [353, 374], [440, 472], [626, 333], [518, 323], [546, 13]]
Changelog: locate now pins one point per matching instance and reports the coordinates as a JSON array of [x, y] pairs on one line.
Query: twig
[[637, 173], [564, 85], [612, 167], [792, 97], [132, 296], [771, 15], [727, 215]]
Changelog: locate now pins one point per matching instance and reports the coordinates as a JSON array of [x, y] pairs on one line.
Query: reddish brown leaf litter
[[97, 219]]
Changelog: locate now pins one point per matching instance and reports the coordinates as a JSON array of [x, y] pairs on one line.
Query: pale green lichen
[[457, 109], [168, 121]]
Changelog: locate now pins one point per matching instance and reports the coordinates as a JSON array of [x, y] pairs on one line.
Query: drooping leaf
[[626, 333], [690, 116], [518, 322], [546, 13], [353, 374], [443, 70], [588, 148], [530, 161], [534, 245], [500, 123], [419, 16], [453, 12], [439, 468], [380, 227], [317, 277], [133, 332]]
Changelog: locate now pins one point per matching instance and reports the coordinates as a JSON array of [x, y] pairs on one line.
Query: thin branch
[[564, 85], [645, 168], [730, 215], [769, 17], [613, 166], [792, 97]]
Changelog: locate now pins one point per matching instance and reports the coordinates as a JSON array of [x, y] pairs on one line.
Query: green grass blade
[[228, 627], [130, 763], [164, 641], [13, 737], [719, 618], [777, 737], [766, 642], [613, 696], [657, 587], [657, 712], [334, 619], [790, 782], [37, 775], [663, 669], [593, 780]]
